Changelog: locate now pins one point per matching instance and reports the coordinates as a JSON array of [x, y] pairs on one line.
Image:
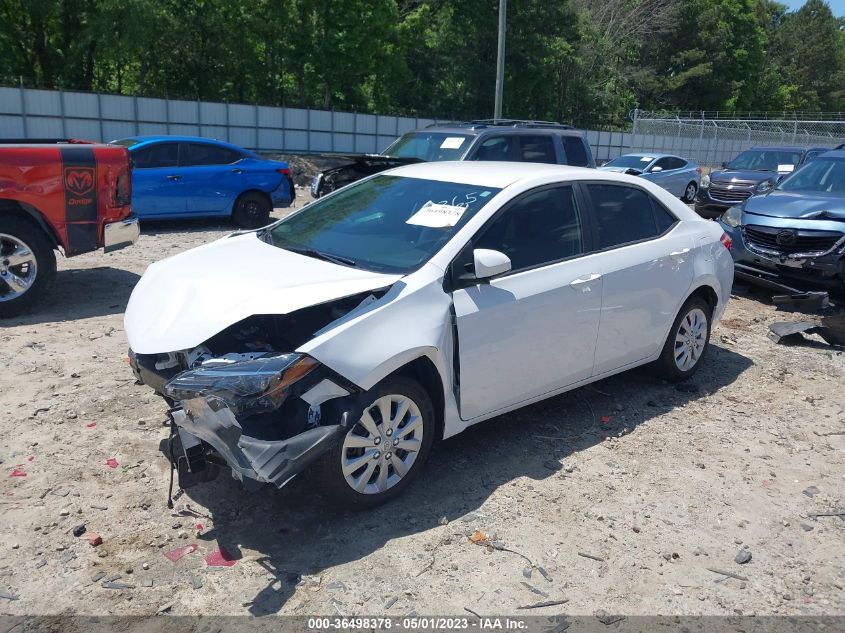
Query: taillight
[[284, 171], [699, 170], [726, 241], [123, 191]]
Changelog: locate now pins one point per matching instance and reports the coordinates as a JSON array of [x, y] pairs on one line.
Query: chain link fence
[[709, 138]]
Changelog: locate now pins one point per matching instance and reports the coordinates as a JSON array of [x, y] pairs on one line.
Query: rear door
[[157, 189], [532, 330], [646, 267], [212, 177]]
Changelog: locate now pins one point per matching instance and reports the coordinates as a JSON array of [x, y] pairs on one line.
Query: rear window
[[537, 149], [159, 155], [205, 154], [576, 153], [626, 214]]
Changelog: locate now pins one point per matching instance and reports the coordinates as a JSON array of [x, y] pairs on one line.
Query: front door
[[157, 188], [532, 330]]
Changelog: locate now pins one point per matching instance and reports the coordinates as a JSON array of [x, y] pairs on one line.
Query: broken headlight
[[252, 386]]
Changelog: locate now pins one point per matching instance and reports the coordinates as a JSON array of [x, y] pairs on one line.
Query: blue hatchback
[[190, 177]]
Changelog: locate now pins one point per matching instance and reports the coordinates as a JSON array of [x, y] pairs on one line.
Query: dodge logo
[[787, 237], [79, 180]]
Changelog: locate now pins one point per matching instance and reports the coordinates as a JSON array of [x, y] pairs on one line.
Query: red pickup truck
[[58, 194]]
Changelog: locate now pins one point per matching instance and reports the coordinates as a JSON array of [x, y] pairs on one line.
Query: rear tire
[[27, 265], [376, 461], [689, 193], [688, 341], [251, 210]]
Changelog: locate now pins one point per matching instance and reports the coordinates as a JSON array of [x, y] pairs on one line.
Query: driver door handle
[[583, 283], [237, 171], [174, 177], [679, 253]]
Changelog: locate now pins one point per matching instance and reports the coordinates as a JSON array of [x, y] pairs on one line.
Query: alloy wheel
[[383, 446], [18, 267], [690, 339], [690, 194]]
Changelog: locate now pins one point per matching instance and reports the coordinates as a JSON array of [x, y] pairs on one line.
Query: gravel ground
[[622, 496]]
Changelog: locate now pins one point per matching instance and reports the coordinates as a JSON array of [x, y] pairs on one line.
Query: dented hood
[[184, 300]]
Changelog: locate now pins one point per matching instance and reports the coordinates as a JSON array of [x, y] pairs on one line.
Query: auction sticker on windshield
[[786, 167], [436, 215], [452, 142]]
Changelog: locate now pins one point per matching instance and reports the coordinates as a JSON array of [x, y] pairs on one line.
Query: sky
[[838, 6]]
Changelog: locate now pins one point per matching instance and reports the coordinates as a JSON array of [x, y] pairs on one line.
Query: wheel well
[[30, 215], [708, 294], [263, 194], [424, 372]]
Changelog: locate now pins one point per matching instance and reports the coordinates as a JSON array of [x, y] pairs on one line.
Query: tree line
[[583, 61]]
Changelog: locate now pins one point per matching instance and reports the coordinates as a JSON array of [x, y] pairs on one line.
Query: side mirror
[[724, 164], [490, 263], [655, 169]]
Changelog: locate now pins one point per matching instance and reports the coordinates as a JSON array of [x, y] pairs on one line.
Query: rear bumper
[[284, 196], [117, 235]]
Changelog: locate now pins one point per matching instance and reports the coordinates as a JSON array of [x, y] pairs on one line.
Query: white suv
[[413, 304]]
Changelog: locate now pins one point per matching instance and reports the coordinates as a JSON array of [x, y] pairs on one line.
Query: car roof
[[652, 155], [493, 173], [833, 153], [788, 148], [175, 138], [471, 130]]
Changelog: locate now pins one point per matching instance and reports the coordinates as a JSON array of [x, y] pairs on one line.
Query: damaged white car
[[408, 306]]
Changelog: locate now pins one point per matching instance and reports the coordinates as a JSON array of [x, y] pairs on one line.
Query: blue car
[[794, 230], [190, 177]]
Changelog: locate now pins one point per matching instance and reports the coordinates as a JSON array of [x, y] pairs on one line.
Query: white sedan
[[412, 304]]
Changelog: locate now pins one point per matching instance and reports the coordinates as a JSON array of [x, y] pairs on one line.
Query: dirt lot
[[616, 497]]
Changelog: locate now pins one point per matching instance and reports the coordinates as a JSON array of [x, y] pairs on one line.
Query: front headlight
[[732, 217], [764, 186], [253, 386], [705, 182]]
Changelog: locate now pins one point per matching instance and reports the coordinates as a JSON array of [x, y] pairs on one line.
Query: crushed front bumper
[[209, 432], [117, 235], [824, 271]]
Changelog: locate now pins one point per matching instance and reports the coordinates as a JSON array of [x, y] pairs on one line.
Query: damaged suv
[[412, 304]]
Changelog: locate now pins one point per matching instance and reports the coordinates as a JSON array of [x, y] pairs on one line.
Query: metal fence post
[[228, 130], [62, 113], [100, 116], [308, 130], [199, 117], [21, 90], [284, 129], [167, 114], [135, 114], [257, 144]]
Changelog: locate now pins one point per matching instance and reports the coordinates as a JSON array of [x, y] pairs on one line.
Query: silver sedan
[[677, 175]]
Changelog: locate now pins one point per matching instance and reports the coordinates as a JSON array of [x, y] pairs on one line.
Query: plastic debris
[[219, 557], [111, 462], [94, 539], [605, 419], [480, 538], [18, 472], [91, 425], [175, 555]]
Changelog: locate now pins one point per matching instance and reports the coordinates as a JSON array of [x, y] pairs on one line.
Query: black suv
[[755, 170], [489, 139]]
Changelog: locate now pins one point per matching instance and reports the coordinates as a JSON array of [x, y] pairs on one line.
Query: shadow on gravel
[[201, 225], [80, 294], [298, 533]]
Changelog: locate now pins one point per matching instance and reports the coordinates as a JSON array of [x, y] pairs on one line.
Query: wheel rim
[[18, 267], [252, 210], [691, 339], [383, 446], [690, 192]]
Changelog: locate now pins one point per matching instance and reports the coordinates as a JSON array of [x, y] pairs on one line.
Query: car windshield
[[823, 175], [637, 161], [386, 223], [766, 160], [429, 146]]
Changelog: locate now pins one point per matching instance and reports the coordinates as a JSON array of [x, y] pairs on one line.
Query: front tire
[[384, 450], [251, 210], [27, 265], [689, 193], [688, 341]]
